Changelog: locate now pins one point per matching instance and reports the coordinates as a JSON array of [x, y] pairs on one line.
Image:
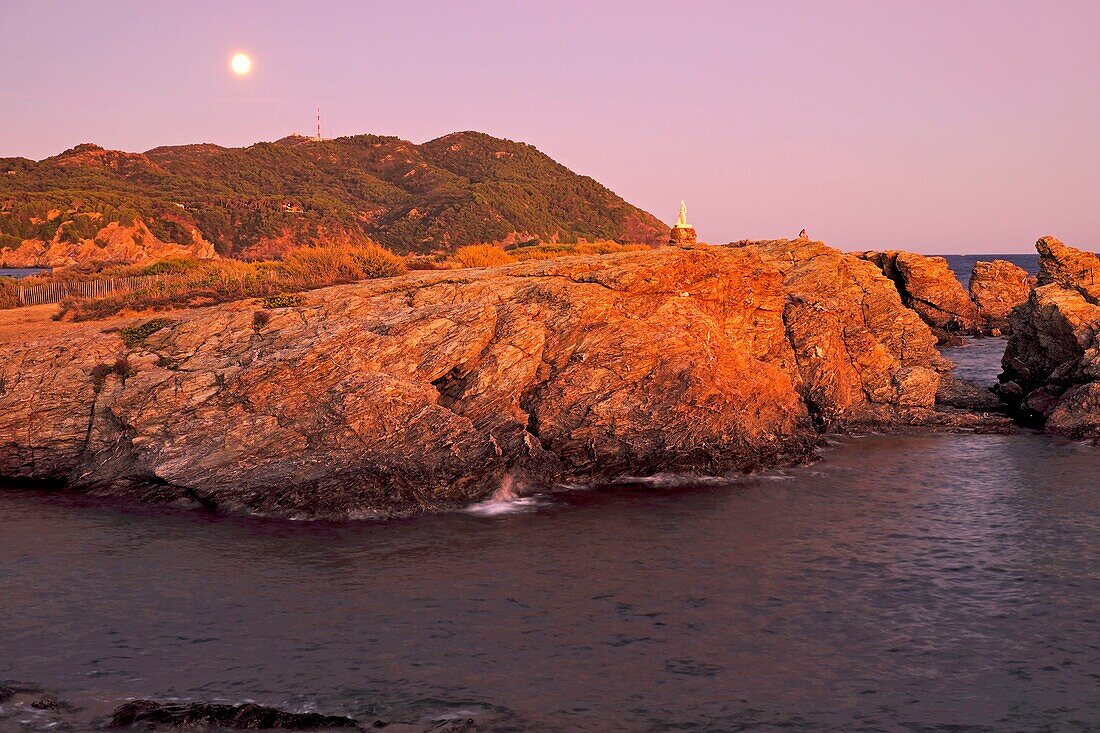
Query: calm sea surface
[[963, 265], [930, 583], [21, 272], [905, 583]]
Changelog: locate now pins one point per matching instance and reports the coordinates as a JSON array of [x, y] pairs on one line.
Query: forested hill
[[463, 188]]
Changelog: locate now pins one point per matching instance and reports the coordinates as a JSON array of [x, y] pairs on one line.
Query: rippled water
[[21, 272], [979, 361], [920, 583]]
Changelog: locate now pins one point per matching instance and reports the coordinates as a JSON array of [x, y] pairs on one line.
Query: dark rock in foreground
[[21, 702], [150, 715], [1052, 363]]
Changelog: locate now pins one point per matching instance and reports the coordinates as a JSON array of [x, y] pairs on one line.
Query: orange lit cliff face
[[580, 368]]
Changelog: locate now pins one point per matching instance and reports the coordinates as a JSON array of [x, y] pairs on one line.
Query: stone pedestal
[[682, 237]]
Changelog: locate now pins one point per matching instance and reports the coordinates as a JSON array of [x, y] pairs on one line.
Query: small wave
[[505, 500], [496, 507], [676, 480], [774, 476]]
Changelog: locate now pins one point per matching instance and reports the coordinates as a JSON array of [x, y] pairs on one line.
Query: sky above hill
[[931, 126]]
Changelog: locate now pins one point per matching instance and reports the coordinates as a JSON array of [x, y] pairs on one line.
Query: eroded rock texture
[[928, 286], [150, 715], [996, 288], [436, 389], [857, 347], [1052, 362]]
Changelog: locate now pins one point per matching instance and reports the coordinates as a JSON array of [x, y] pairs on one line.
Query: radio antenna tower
[[318, 124]]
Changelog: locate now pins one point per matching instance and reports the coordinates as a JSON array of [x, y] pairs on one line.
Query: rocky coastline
[[39, 709], [435, 390], [1052, 363]]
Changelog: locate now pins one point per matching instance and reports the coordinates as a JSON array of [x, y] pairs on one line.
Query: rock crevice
[[929, 287]]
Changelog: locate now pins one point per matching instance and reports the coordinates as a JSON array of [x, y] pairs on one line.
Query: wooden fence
[[55, 292]]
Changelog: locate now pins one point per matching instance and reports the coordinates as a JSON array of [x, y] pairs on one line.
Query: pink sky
[[932, 126]]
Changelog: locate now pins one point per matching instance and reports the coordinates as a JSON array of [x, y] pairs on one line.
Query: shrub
[[216, 281], [170, 265], [134, 335], [550, 251], [9, 294], [423, 262], [340, 263], [122, 367], [283, 300], [259, 320], [482, 255], [99, 373]]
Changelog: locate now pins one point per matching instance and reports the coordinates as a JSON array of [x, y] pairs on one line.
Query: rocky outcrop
[[857, 349], [150, 715], [969, 396], [928, 286], [996, 288], [25, 706], [114, 243], [1052, 362], [682, 237], [21, 703], [437, 389]]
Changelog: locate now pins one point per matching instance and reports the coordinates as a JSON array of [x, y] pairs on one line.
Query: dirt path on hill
[[35, 321]]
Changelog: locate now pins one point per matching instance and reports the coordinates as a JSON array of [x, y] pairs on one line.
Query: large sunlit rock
[[1052, 362], [435, 389], [996, 288]]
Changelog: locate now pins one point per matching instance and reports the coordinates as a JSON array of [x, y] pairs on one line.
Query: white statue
[[682, 222]]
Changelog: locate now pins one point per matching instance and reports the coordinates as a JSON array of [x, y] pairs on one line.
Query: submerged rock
[[1052, 362], [25, 706], [996, 288], [150, 715], [431, 390], [967, 395], [929, 286]]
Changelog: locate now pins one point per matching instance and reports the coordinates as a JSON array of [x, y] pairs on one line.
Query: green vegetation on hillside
[[464, 188]]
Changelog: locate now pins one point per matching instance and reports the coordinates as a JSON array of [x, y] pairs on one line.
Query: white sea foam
[[493, 507], [505, 500]]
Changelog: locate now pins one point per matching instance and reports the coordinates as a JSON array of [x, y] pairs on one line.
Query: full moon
[[241, 64]]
